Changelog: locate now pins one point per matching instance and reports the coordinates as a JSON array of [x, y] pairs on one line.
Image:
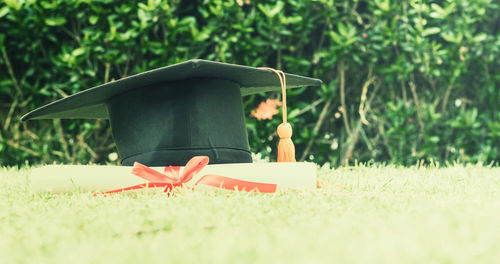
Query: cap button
[[195, 63]]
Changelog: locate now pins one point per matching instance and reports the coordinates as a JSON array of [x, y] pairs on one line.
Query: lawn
[[377, 214]]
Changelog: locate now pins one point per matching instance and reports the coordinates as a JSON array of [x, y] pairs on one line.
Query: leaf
[[336, 37], [270, 13], [452, 37], [55, 21], [291, 20], [78, 52], [143, 17], [342, 29], [4, 11], [437, 8], [188, 21], [204, 35], [14, 4], [385, 5], [480, 37], [277, 8], [293, 113], [93, 19], [431, 31], [438, 11]]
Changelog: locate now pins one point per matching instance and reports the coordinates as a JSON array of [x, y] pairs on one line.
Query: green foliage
[[403, 80]]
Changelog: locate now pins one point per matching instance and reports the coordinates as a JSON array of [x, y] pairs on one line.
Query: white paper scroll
[[60, 178]]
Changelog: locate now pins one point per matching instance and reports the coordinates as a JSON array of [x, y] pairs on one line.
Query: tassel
[[286, 149]]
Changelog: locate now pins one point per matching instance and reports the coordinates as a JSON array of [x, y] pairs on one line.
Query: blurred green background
[[404, 81]]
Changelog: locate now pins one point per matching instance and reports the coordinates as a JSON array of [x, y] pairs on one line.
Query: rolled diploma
[[60, 178]]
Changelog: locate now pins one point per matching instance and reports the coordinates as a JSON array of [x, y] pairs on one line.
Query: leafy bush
[[404, 81]]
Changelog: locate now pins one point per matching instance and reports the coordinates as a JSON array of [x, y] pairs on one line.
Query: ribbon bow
[[171, 178]]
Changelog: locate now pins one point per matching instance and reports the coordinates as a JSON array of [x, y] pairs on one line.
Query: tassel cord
[[281, 76], [286, 149]]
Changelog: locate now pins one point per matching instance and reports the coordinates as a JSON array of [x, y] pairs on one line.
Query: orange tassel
[[286, 149]]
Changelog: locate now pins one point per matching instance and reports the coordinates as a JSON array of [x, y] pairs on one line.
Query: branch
[[106, 73], [403, 89], [11, 72], [353, 138], [385, 139], [446, 97], [343, 108], [413, 89], [27, 131], [64, 143], [23, 148], [362, 109], [87, 147], [316, 128], [71, 34], [309, 107], [9, 115], [60, 92]]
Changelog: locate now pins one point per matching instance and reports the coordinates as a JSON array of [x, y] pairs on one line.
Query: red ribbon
[[170, 178]]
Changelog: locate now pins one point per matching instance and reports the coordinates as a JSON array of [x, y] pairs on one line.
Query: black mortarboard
[[168, 115]]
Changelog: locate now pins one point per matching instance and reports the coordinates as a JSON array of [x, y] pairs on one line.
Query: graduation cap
[[168, 115]]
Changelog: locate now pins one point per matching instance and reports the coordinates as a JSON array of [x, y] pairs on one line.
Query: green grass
[[361, 215]]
